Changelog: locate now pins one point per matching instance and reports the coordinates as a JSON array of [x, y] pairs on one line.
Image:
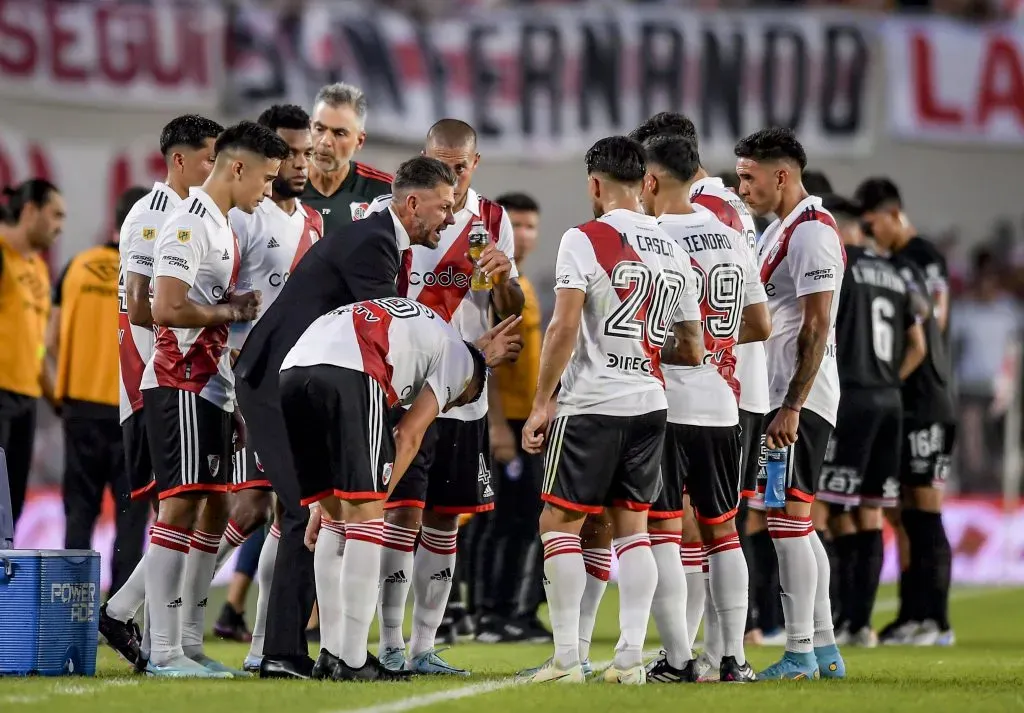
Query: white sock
[[798, 576], [327, 565], [202, 562], [692, 556], [432, 569], [232, 539], [712, 631], [146, 644], [729, 584], [669, 605], [565, 581], [638, 580], [127, 600], [360, 580], [264, 580], [824, 633], [166, 560], [598, 563], [396, 565]]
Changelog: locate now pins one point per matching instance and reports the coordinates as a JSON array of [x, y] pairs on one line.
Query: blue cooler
[[49, 612]]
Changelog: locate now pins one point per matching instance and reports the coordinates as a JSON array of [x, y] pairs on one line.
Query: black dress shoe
[[298, 667], [325, 666], [372, 670]]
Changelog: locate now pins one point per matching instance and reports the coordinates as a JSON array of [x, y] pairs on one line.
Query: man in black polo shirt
[[929, 425], [339, 187]]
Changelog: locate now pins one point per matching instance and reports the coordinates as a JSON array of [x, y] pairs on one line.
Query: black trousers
[[17, 437], [506, 535], [94, 459], [293, 590]]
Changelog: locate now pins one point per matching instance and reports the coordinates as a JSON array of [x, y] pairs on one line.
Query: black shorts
[[451, 474], [339, 433], [752, 451], [137, 460], [927, 450], [190, 442], [862, 461], [594, 461], [247, 471], [703, 462], [804, 459]]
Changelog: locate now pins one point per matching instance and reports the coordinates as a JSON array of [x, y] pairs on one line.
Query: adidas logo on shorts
[[444, 575], [398, 578], [174, 603], [272, 243]]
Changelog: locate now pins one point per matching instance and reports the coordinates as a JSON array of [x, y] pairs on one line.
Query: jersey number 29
[[648, 302], [720, 293]]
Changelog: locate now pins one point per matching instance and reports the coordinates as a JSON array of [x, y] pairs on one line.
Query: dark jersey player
[[880, 342], [929, 425], [338, 187]]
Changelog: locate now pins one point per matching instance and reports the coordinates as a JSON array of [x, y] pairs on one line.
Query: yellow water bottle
[[479, 238]]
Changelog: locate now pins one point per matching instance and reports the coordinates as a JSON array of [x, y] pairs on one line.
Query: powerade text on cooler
[[775, 471]]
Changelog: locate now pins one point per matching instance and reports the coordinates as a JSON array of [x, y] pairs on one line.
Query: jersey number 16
[[648, 302]]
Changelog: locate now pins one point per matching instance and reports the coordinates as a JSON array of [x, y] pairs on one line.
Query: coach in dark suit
[[357, 262]]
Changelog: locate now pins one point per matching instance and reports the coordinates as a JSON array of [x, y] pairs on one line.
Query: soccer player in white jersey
[[702, 438], [186, 144], [751, 372], [625, 300], [452, 476], [188, 388], [802, 261], [338, 383], [271, 239]]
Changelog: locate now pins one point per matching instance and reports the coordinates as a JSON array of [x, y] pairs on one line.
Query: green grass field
[[983, 672]]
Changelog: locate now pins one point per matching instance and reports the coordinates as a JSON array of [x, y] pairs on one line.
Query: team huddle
[[684, 353]]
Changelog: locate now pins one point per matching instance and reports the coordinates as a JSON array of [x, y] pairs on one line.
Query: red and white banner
[[955, 82], [106, 53]]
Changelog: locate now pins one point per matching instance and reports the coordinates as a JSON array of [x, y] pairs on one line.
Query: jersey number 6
[[648, 302]]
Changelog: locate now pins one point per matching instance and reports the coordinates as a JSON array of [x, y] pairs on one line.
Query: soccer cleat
[[865, 638], [587, 668], [632, 676], [325, 666], [548, 672], [252, 663], [372, 670], [123, 636], [830, 662], [946, 637], [184, 667], [706, 671], [899, 633], [493, 629], [230, 625], [430, 663], [731, 672], [218, 667], [393, 658], [660, 671], [791, 667]]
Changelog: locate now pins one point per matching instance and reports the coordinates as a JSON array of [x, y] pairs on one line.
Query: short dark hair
[[670, 123], [284, 116], [125, 203], [189, 130], [772, 145], [618, 157], [451, 133], [422, 172], [250, 136], [817, 183], [841, 206], [875, 191], [36, 191], [518, 201], [479, 370], [676, 154]]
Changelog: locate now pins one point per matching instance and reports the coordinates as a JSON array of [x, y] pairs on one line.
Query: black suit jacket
[[354, 263]]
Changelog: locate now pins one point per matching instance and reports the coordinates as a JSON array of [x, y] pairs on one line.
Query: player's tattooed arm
[[810, 346], [137, 291], [684, 345], [173, 308]]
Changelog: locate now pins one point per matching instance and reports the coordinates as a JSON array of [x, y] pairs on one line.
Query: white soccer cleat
[[551, 673], [865, 638], [632, 676], [706, 671]]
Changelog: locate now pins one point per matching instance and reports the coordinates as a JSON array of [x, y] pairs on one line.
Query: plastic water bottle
[[775, 472]]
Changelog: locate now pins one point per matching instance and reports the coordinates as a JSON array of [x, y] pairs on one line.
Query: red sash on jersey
[[721, 208], [372, 325], [778, 252]]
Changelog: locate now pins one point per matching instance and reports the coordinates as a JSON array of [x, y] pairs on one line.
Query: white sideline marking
[[66, 688]]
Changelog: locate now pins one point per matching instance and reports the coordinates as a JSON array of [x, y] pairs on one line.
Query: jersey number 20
[[648, 304]]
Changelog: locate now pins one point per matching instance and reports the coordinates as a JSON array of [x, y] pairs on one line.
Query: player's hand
[[495, 264], [782, 430], [312, 528], [503, 442], [535, 429], [241, 433], [502, 343], [245, 306]]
